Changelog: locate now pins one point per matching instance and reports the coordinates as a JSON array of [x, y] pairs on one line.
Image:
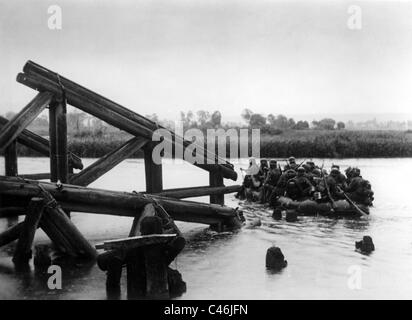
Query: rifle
[[327, 188], [301, 163]]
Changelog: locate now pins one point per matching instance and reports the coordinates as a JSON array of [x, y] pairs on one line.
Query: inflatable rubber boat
[[310, 207]]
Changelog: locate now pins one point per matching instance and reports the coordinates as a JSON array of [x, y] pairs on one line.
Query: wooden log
[[11, 234], [41, 145], [216, 180], [35, 69], [54, 171], [82, 247], [59, 240], [10, 159], [153, 172], [6, 212], [76, 198], [23, 251], [190, 192], [107, 162], [108, 115], [61, 143], [36, 176], [21, 120]]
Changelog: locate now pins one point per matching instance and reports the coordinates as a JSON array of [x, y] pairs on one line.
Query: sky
[[163, 56]]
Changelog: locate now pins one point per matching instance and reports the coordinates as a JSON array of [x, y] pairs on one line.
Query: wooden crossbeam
[[41, 145], [108, 162], [21, 120], [118, 117]]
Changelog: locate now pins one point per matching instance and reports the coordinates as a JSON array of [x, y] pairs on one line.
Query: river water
[[321, 255]]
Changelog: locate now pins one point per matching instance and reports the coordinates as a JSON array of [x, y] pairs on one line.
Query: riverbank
[[299, 143]]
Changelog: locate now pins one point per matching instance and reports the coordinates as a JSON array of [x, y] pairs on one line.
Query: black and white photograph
[[205, 150]]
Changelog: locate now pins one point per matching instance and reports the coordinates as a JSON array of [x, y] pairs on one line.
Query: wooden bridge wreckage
[[48, 204]]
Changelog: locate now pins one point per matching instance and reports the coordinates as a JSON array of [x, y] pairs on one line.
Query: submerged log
[[121, 118], [20, 121], [41, 145], [76, 198]]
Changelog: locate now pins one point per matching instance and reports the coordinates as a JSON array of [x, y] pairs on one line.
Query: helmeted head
[[263, 163], [273, 164], [311, 164], [292, 160], [334, 171], [301, 171], [356, 172], [291, 173], [335, 166], [316, 172]]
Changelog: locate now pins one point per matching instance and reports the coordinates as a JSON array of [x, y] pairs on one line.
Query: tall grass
[[299, 143]]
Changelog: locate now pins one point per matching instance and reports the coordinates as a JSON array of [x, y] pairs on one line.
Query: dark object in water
[[275, 259], [42, 255], [365, 245], [291, 216], [175, 282], [277, 213]]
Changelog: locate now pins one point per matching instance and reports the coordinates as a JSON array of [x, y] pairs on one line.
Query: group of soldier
[[268, 181]]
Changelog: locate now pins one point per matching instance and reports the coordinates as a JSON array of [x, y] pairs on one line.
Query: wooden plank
[[111, 116], [107, 162], [153, 171], [135, 242], [41, 145], [23, 252], [21, 120], [10, 159]]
